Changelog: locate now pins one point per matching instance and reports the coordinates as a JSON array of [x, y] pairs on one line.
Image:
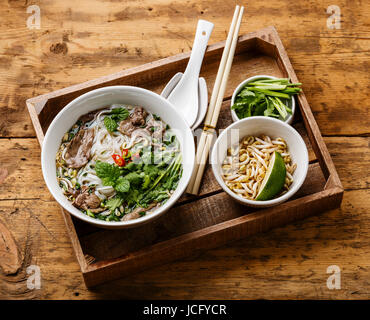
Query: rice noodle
[[106, 144]]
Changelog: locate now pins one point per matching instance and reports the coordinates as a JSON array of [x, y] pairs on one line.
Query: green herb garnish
[[122, 185], [119, 114], [110, 124], [114, 203], [114, 117], [108, 173], [265, 97], [139, 184]]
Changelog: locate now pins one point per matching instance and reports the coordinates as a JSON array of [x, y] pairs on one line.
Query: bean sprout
[[245, 165]]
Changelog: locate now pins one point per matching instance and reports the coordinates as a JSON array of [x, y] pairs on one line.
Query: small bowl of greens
[[267, 96]]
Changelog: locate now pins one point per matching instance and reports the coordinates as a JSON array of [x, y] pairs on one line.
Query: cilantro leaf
[[110, 124], [131, 166], [154, 195], [246, 93], [133, 197], [113, 203], [259, 110], [108, 173], [133, 177], [268, 97], [115, 116], [151, 170], [122, 185], [119, 114]]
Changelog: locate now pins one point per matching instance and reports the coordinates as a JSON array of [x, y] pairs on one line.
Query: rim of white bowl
[[255, 203], [77, 213], [242, 84]]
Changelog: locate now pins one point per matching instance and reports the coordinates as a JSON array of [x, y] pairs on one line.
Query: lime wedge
[[274, 179]]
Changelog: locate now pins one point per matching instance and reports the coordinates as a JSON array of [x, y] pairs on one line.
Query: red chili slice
[[118, 160], [124, 152]]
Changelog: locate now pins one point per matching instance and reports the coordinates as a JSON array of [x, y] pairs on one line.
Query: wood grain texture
[[213, 220], [81, 41], [178, 221], [10, 262], [283, 263], [78, 42], [347, 152]]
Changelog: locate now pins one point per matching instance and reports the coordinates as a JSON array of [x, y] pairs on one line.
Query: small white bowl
[[99, 98], [255, 126], [234, 116]]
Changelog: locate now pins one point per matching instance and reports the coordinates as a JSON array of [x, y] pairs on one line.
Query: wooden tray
[[212, 218]]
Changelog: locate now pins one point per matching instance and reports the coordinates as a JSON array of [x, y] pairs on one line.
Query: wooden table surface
[[82, 40]]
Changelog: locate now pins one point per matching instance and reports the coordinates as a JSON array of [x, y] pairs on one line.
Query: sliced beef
[[90, 116], [156, 128], [138, 116], [86, 201], [73, 192], [78, 150], [92, 201], [126, 127], [97, 210], [136, 213], [136, 119], [87, 117]]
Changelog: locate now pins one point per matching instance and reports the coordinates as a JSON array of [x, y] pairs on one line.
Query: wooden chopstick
[[216, 102], [213, 100], [221, 68], [229, 63], [220, 97]]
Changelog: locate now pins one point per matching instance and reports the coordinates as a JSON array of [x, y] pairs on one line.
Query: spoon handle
[[204, 30]]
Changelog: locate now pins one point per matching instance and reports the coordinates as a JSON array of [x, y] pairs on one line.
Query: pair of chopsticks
[[216, 102]]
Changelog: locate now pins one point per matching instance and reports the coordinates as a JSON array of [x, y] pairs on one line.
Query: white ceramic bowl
[[256, 126], [235, 117], [99, 98]]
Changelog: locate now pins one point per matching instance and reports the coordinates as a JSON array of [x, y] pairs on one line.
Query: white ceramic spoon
[[202, 96], [185, 95]]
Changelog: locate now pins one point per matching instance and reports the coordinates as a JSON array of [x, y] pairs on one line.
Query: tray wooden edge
[[35, 120], [314, 133], [76, 244], [36, 104], [331, 195], [213, 236], [39, 100]]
